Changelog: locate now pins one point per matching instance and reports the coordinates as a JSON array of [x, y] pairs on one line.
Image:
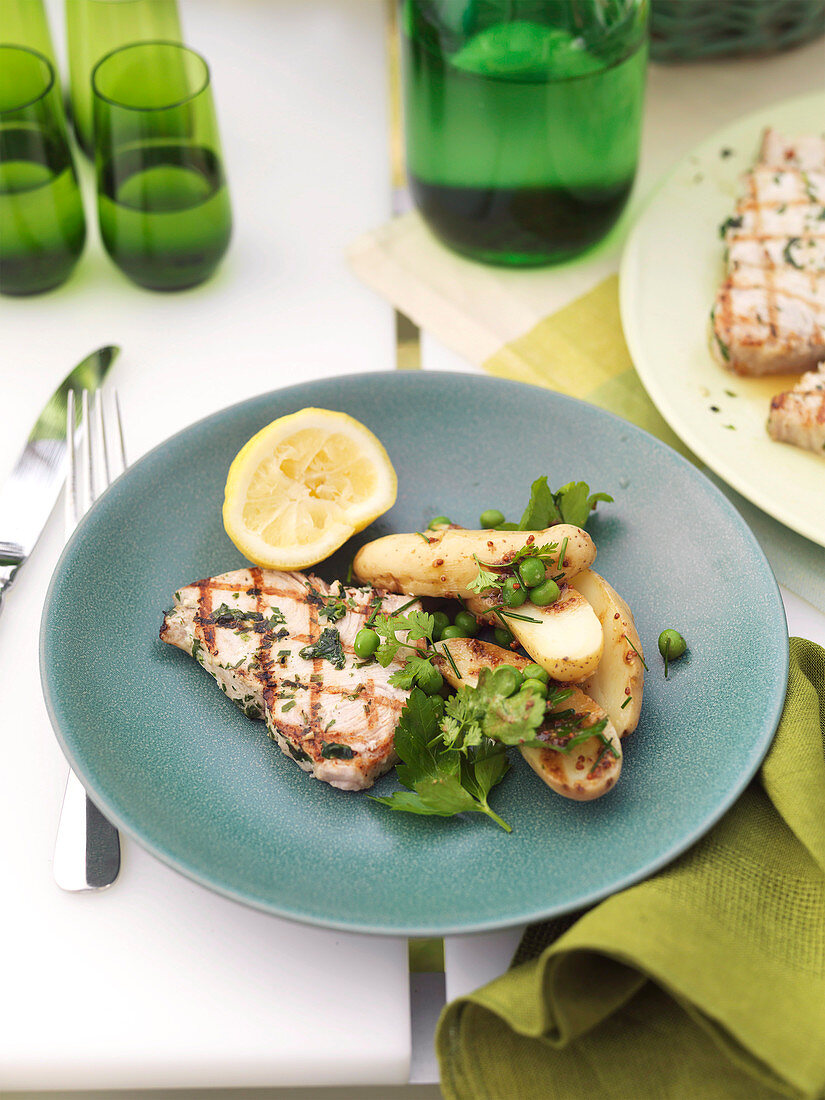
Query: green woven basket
[[682, 29]]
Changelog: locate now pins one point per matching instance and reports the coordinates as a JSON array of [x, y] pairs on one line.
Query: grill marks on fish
[[248, 628], [769, 315]]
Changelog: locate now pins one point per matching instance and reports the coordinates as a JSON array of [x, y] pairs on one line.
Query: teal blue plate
[[177, 766]]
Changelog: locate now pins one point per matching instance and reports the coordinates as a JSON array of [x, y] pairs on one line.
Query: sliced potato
[[579, 775], [618, 682], [442, 562], [565, 639]]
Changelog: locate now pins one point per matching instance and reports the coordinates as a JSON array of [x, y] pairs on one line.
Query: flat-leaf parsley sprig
[[441, 781]]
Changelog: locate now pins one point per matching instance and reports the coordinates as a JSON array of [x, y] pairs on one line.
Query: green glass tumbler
[[42, 227], [96, 27], [163, 202], [522, 121]]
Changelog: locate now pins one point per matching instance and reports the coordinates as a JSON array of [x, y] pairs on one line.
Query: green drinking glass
[[24, 23], [163, 203], [522, 121], [96, 27], [42, 227]]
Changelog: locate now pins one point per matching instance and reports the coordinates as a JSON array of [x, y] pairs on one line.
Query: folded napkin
[[503, 321], [707, 980]]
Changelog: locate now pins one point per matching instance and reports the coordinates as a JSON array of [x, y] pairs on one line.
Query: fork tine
[[87, 452], [70, 503], [119, 462], [97, 408]]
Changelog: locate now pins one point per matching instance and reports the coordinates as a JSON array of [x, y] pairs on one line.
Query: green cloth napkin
[[707, 980]]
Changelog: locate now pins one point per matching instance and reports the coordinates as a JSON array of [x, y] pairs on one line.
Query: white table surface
[[159, 983]]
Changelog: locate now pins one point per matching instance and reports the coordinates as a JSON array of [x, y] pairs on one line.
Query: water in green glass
[[521, 143], [164, 214], [42, 227]]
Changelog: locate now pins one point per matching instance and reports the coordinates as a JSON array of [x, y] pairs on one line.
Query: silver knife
[[31, 491]]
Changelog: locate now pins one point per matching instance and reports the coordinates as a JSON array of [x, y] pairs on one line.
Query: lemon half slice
[[300, 487]]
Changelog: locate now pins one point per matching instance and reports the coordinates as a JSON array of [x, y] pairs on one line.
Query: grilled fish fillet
[[281, 646], [798, 416], [769, 315]]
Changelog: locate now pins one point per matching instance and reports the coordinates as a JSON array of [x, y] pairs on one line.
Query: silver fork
[[87, 849]]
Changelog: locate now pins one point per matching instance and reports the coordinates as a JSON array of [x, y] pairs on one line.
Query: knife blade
[[30, 493]]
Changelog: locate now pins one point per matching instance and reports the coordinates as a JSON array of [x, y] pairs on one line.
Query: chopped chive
[[421, 535], [349, 571], [624, 704], [558, 577], [605, 750], [449, 657], [638, 654], [560, 559], [404, 607], [512, 615]]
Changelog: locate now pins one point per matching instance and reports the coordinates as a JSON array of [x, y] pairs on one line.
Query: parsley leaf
[[541, 512], [416, 624], [439, 780], [410, 674], [572, 503], [485, 579], [575, 502], [327, 648]]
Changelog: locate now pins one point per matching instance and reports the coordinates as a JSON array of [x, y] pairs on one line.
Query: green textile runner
[[707, 980]]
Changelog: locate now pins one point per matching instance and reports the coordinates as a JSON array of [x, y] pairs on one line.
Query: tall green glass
[[96, 27], [24, 23], [523, 121], [42, 228], [163, 202]]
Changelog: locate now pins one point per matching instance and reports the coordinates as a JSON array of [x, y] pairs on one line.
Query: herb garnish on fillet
[[327, 648]]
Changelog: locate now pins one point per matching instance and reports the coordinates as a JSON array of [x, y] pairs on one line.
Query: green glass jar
[[523, 120]]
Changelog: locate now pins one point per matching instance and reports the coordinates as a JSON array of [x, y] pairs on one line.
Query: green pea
[[467, 623], [440, 621], [536, 686], [506, 680], [491, 518], [451, 632], [502, 636], [439, 521], [430, 680], [513, 593], [535, 672], [531, 572], [545, 593], [366, 642], [671, 644]]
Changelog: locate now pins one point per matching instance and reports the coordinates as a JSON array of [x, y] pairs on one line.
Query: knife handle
[[87, 851], [6, 577]]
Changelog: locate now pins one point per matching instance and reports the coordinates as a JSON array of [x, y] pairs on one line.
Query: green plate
[[177, 766]]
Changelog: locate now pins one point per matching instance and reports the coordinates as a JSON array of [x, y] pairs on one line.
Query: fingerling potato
[[443, 562], [587, 772], [618, 682], [565, 637]]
